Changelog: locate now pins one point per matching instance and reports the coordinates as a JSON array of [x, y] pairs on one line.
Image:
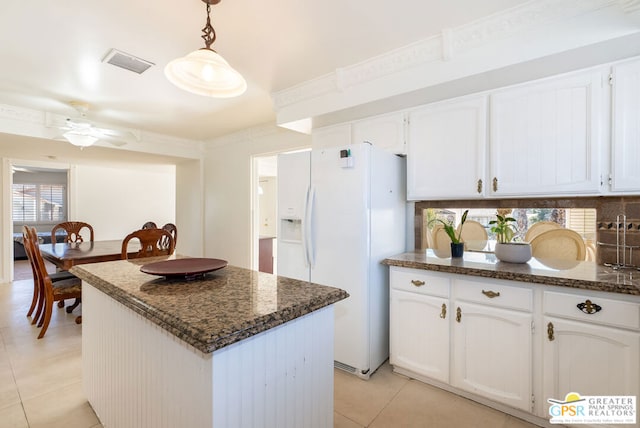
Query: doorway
[[265, 199], [38, 196]]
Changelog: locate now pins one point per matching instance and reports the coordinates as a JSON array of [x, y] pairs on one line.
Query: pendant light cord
[[208, 33]]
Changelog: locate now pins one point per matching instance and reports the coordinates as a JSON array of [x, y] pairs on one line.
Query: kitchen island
[[233, 348]]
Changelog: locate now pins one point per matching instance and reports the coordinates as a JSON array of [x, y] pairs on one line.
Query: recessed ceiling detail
[[127, 61]]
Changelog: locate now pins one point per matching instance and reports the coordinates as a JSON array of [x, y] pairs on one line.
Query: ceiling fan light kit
[[204, 71], [80, 139]]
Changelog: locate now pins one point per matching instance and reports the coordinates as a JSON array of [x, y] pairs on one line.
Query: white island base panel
[[136, 374]]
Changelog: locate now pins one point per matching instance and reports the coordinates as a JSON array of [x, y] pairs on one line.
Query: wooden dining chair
[[173, 230], [150, 243], [72, 228], [50, 291], [58, 276], [149, 225]]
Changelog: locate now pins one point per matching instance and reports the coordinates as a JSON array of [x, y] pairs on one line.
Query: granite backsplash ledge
[[608, 208]]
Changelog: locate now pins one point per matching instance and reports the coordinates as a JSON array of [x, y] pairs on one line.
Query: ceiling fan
[[82, 132]]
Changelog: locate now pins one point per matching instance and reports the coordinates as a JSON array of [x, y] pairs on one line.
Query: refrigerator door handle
[[308, 229], [305, 242]]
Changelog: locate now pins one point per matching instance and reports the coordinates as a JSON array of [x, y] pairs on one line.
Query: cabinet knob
[[458, 314], [491, 294], [588, 307], [495, 184], [550, 332], [443, 312], [480, 186], [417, 282]]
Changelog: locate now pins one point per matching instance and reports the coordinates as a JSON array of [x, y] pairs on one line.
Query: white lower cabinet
[[419, 327], [492, 353], [508, 343], [583, 353], [481, 344], [420, 334]]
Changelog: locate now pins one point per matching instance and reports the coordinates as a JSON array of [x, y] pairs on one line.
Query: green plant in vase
[[506, 250], [457, 246], [503, 230]]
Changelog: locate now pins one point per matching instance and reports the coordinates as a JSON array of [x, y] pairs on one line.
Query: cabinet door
[[626, 127], [589, 359], [385, 131], [419, 327], [492, 353], [545, 137], [446, 150]]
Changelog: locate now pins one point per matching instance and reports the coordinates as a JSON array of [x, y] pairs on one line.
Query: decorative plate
[[187, 268]]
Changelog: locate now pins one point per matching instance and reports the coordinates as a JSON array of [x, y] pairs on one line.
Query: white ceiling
[[52, 51]]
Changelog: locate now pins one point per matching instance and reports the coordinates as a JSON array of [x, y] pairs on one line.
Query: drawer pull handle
[[479, 188], [491, 294], [550, 332], [417, 282], [588, 307], [443, 312], [495, 184], [458, 314]]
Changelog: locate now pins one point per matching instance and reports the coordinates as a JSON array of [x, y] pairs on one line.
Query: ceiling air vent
[[127, 61]]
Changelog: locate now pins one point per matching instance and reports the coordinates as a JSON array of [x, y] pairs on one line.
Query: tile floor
[[40, 383]]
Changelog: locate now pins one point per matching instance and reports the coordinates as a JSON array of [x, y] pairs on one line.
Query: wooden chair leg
[[72, 307], [34, 300], [39, 310], [47, 317]]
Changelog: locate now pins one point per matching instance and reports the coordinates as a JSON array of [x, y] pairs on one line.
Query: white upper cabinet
[[625, 137], [386, 131], [544, 137], [446, 150]]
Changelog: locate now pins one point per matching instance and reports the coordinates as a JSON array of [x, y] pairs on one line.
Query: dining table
[[68, 254]]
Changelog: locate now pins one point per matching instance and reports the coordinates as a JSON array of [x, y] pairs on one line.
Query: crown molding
[[447, 45], [22, 114], [40, 124]]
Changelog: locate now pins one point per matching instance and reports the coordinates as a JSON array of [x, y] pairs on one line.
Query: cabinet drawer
[[494, 293], [608, 311], [420, 281]]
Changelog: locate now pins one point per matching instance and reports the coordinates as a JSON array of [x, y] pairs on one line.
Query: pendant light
[[204, 71]]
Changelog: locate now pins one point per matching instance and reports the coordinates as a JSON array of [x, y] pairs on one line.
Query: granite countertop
[[575, 274], [223, 307]]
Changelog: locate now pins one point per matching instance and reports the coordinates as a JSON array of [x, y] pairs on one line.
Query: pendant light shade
[[204, 71]]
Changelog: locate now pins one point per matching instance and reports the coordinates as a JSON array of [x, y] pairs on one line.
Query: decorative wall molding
[[22, 114], [521, 18], [400, 59], [449, 44]]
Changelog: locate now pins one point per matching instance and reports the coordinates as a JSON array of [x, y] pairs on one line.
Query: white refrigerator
[[341, 211]]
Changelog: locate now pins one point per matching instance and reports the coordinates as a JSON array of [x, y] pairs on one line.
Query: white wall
[[118, 200], [228, 201], [190, 208]]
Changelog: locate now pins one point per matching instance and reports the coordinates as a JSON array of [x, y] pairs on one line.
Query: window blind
[[39, 203]]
